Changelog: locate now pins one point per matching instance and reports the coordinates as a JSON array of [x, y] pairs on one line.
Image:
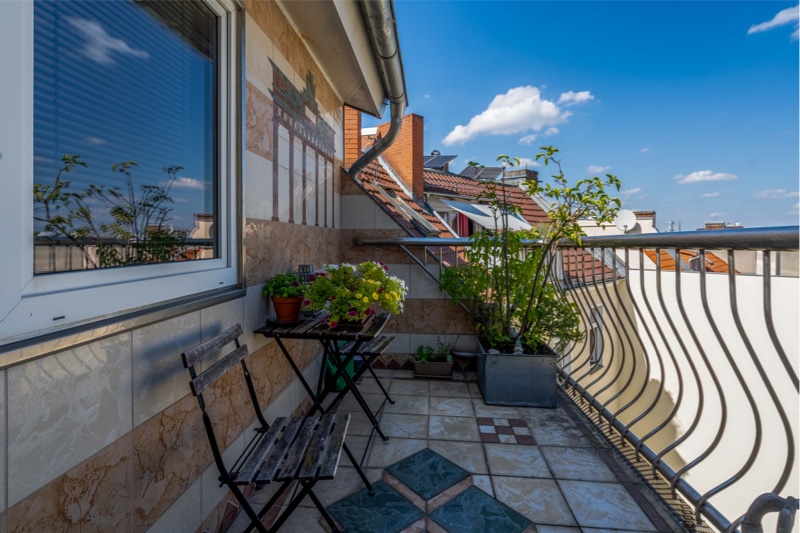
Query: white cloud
[[527, 162], [572, 98], [704, 175], [596, 169], [99, 44], [789, 15], [529, 139], [795, 210], [715, 215], [629, 192], [521, 109], [189, 183], [711, 195], [427, 96], [645, 149], [97, 141], [774, 194]]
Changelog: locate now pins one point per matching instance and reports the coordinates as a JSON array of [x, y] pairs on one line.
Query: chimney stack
[[406, 155], [352, 136]]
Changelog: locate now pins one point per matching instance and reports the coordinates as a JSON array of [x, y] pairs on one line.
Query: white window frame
[[34, 305]]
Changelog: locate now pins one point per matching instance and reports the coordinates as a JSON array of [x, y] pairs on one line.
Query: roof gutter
[[383, 31]]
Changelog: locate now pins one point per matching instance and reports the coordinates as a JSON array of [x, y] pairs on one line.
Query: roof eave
[[336, 34]]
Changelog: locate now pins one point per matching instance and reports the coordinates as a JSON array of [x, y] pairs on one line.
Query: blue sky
[[694, 105]]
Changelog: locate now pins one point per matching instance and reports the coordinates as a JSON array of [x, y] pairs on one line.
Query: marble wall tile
[[351, 253], [159, 378], [310, 189], [348, 185], [64, 408], [258, 121], [269, 17], [421, 285], [214, 320], [211, 492], [94, 496], [428, 316], [255, 315], [258, 197], [358, 212], [170, 452], [298, 156], [258, 70], [182, 515], [276, 247]]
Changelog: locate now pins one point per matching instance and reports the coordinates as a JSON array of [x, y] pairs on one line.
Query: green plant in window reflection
[[137, 232]]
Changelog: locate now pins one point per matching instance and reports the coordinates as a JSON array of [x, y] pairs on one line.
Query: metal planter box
[[526, 380], [433, 369]]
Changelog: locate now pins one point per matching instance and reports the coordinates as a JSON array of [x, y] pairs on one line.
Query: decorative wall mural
[[305, 180]]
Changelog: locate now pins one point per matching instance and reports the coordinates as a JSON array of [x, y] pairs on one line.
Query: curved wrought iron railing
[[690, 358]]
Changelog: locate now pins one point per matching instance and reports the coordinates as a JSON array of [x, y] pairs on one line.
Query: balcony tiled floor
[[524, 469]]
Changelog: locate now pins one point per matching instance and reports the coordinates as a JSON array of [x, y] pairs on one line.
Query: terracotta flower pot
[[287, 309]]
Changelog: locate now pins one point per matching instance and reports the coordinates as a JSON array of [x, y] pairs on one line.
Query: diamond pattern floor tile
[[427, 473], [385, 512], [475, 511]]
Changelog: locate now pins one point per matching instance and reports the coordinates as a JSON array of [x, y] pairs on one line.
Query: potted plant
[[287, 295], [510, 289], [351, 293], [433, 361]]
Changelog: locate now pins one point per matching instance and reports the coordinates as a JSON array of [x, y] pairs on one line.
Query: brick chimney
[[352, 136], [406, 155]]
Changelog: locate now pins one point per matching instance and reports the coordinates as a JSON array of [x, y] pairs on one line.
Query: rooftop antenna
[[625, 220]]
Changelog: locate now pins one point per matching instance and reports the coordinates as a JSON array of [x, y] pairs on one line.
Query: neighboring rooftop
[[485, 173]]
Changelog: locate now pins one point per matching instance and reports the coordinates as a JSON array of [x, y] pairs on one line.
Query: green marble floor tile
[[427, 473]]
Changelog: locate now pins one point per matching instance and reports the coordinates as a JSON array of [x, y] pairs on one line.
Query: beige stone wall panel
[[276, 247], [94, 496], [431, 316], [352, 253], [170, 452], [273, 23], [258, 119]]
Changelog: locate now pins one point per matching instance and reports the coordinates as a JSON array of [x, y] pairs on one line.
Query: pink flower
[[295, 284], [306, 302], [369, 311], [333, 297], [333, 323], [352, 312]]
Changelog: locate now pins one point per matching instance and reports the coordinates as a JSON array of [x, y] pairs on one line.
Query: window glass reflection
[[124, 134]]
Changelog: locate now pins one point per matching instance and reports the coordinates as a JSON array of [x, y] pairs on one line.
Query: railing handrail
[[783, 238]]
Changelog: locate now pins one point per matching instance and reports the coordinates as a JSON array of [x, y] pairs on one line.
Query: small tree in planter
[[509, 287]]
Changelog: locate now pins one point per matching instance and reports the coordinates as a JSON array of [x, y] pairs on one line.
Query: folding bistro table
[[340, 347]]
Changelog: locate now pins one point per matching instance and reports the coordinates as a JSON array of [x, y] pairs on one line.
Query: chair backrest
[[202, 380]]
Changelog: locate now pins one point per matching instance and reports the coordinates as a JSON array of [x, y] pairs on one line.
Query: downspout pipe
[[383, 30]]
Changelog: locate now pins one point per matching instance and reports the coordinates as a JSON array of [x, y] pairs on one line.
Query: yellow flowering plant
[[349, 293]]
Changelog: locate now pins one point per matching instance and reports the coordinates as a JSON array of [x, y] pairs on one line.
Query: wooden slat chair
[[303, 449]]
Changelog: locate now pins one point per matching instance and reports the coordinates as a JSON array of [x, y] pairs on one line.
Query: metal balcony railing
[[689, 363]]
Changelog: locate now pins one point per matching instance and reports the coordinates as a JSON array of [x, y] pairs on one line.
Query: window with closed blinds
[[125, 134]]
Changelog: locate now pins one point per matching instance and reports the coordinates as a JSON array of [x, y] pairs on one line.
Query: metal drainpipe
[[383, 30]]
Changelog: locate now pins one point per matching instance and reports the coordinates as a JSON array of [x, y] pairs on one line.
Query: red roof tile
[[446, 183]]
